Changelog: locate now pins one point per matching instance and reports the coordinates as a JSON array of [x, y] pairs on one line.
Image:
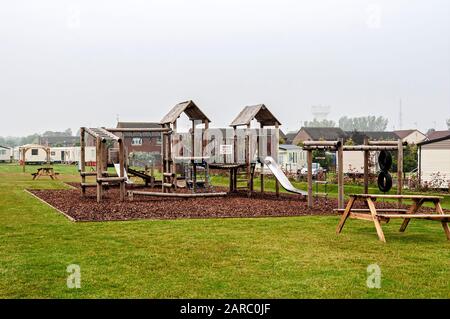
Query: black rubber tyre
[[384, 181], [385, 160]]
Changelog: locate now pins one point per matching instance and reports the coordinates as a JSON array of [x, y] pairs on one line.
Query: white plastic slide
[[117, 167], [281, 177]]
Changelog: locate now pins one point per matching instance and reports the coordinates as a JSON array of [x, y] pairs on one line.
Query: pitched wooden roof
[[259, 112], [192, 111]]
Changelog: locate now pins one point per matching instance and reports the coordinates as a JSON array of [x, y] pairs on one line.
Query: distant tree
[[349, 141], [67, 132], [430, 130], [448, 124], [13, 141], [410, 159], [322, 123], [363, 123]]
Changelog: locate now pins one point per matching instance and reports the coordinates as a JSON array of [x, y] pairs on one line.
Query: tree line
[[12, 141]]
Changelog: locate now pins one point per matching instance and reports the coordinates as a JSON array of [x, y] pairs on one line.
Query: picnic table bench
[[377, 215], [45, 171]]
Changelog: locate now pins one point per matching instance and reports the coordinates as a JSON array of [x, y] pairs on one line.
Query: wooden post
[[194, 168], [235, 148], [366, 168], [247, 159], [152, 174], [310, 187], [24, 150], [174, 165], [163, 140], [400, 169], [260, 157], [204, 146], [341, 174], [98, 166], [122, 169], [277, 139], [82, 160]]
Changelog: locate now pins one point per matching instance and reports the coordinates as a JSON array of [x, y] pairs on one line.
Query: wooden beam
[[277, 139], [386, 143], [322, 143], [376, 222], [349, 148], [122, 170], [139, 130], [99, 165], [310, 186], [179, 195], [400, 170], [340, 162], [366, 167], [82, 160], [345, 215]]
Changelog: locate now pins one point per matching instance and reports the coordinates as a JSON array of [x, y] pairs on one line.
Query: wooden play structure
[[339, 148], [197, 150], [102, 138], [249, 148], [195, 156], [377, 216]]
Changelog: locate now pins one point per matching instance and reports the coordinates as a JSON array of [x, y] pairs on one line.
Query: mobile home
[[5, 154], [291, 157], [65, 155], [434, 162]]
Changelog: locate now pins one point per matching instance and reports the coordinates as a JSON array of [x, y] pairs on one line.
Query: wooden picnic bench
[[45, 171], [377, 215]]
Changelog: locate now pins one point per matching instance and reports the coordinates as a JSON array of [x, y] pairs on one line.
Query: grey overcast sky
[[85, 63]]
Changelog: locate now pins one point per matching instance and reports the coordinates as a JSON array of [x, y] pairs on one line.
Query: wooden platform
[[384, 215]]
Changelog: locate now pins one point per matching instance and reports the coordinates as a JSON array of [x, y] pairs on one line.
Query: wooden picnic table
[[45, 171], [384, 215]]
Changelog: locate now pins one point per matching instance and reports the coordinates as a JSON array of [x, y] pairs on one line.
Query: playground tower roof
[[259, 112], [192, 111]]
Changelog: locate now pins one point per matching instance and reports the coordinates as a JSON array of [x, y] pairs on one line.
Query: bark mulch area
[[80, 208]]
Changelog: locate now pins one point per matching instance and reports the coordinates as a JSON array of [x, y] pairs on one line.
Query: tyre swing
[[384, 178]]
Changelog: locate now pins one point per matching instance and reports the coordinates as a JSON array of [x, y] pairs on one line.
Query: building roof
[[437, 135], [404, 133], [324, 133], [443, 138], [1, 146], [55, 140], [378, 135], [288, 147], [192, 111], [290, 137], [138, 125], [259, 112]]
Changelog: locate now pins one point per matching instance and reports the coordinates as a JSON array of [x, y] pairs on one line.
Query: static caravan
[[66, 155], [5, 154], [34, 155], [71, 155], [434, 162], [291, 158], [354, 162]]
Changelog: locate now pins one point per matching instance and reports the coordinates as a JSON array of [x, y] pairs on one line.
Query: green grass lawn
[[295, 257]]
